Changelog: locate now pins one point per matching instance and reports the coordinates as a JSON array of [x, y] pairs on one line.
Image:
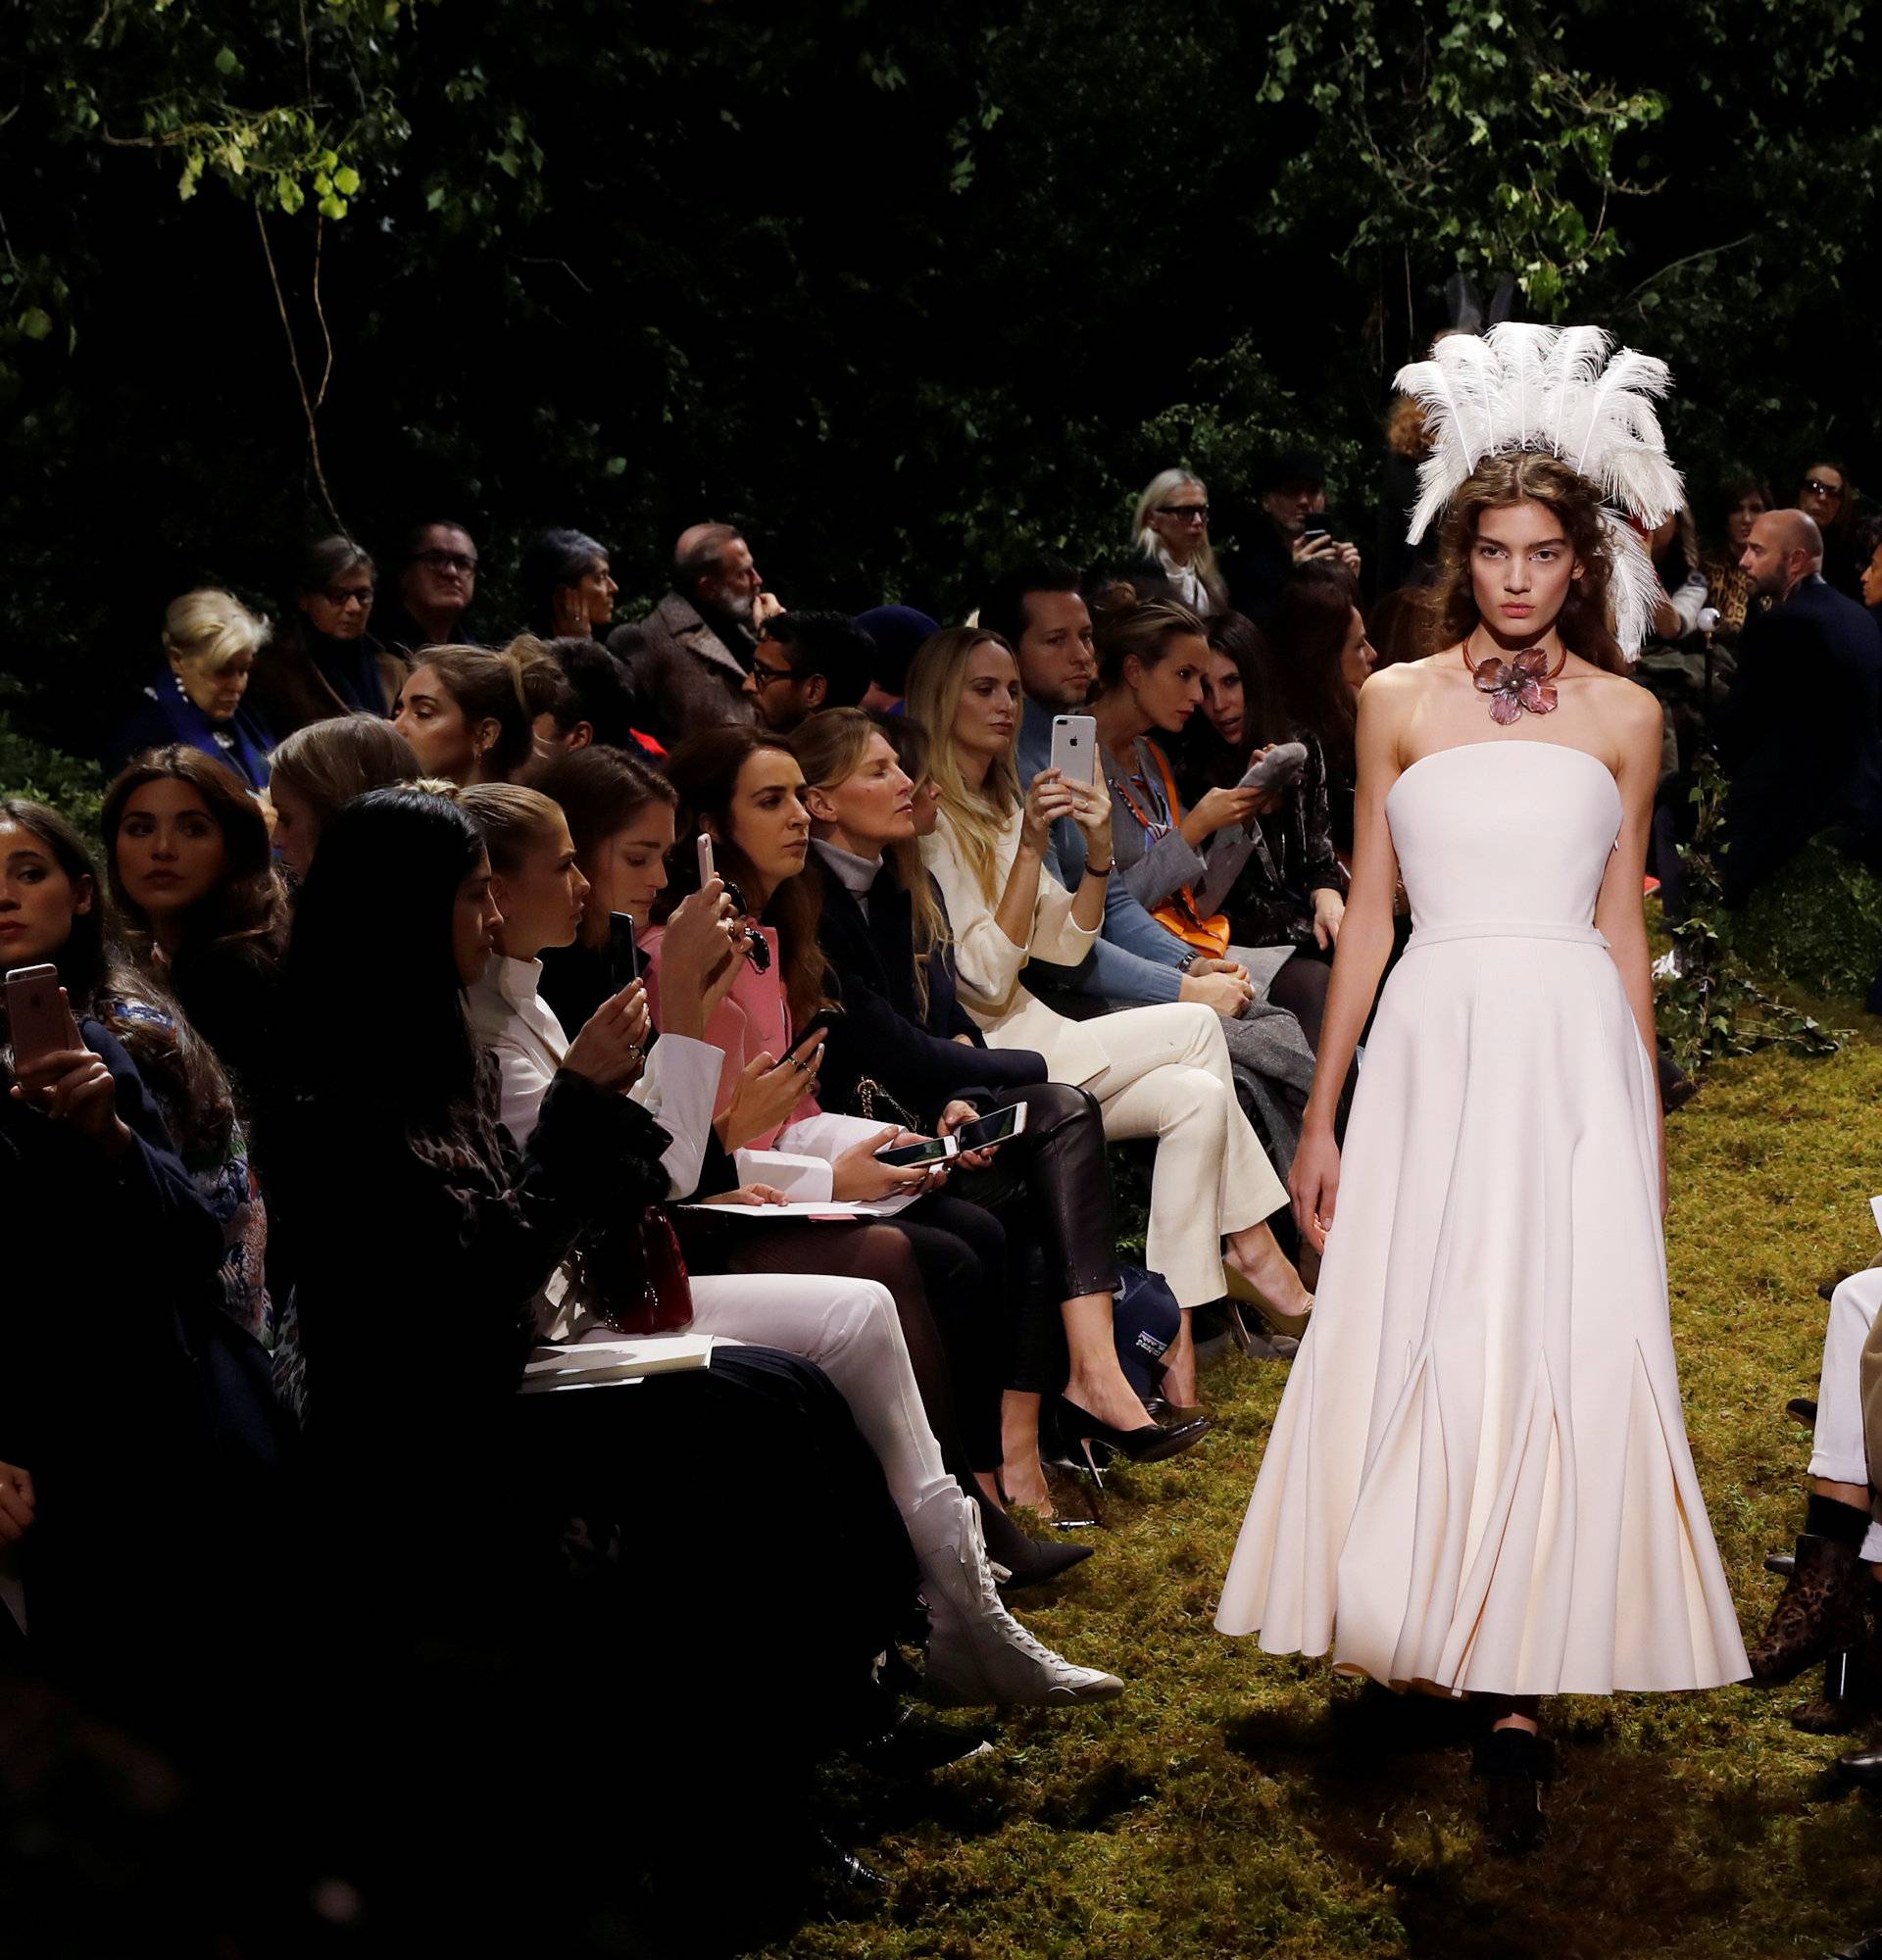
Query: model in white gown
[[1479, 1477]]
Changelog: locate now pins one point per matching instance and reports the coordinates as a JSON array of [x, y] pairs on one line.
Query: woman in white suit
[[1160, 1072]]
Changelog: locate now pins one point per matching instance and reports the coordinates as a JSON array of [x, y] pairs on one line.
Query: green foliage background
[[896, 287]]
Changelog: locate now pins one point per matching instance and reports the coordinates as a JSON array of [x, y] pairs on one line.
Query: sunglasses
[[1189, 513], [1818, 488]]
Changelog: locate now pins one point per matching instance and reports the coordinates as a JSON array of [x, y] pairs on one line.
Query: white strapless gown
[[1479, 1477]]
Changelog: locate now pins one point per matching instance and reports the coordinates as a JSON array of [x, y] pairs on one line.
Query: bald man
[[1801, 741], [689, 661]]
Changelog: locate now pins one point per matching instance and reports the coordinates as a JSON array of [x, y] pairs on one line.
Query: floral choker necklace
[[1524, 683]]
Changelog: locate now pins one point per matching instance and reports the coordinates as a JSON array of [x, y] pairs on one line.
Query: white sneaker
[[979, 1653]]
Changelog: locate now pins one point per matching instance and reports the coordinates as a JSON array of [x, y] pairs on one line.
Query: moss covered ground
[[1237, 1803]]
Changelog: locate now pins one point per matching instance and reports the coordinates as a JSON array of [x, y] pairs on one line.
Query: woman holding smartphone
[[976, 1652], [1160, 1072]]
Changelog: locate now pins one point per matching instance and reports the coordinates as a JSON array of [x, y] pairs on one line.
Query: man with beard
[[688, 661]]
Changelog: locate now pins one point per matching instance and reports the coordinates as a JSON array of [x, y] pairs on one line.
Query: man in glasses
[[690, 657], [805, 661], [437, 583]]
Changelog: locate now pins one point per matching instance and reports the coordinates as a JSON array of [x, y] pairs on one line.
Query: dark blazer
[[164, 715], [884, 1035], [684, 674], [302, 676], [1802, 735]]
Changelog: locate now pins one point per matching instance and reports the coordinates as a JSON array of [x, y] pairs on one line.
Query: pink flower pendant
[[1517, 686]]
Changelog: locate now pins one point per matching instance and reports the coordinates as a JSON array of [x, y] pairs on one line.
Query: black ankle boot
[[1027, 1560], [1513, 1765]]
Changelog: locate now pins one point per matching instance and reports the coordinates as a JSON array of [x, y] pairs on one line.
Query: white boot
[[979, 1653]]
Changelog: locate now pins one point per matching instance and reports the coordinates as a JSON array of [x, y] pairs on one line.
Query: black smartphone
[[998, 1127], [1315, 526], [929, 1151], [820, 1023], [623, 952]]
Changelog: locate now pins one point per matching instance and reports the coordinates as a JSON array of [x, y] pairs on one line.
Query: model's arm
[[1619, 915], [1364, 944]]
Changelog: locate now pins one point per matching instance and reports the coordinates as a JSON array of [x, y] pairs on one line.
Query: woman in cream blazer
[[1160, 1071]]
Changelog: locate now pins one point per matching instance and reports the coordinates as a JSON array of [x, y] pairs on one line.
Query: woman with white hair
[[210, 642], [1169, 533]]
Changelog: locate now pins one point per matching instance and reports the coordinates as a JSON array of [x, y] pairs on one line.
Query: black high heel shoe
[[1152, 1444], [1514, 1764]]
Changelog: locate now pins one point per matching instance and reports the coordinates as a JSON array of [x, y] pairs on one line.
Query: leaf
[[346, 180], [332, 207], [228, 61], [35, 323]]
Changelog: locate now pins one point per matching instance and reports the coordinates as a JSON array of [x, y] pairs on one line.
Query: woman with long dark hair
[[187, 849], [1324, 657]]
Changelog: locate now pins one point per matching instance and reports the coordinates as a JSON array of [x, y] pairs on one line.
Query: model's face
[[769, 821], [1766, 558], [629, 872], [341, 609], [38, 901], [1521, 568], [430, 719], [987, 713], [873, 805], [297, 826], [1821, 493], [217, 692], [1172, 691], [1182, 522], [1057, 664], [542, 897], [1740, 518], [476, 921], [1356, 656], [169, 848], [1872, 579], [441, 579], [1222, 699], [1289, 504]]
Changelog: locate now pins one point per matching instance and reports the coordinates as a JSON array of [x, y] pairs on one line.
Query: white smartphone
[[929, 1151], [1075, 748], [999, 1127], [705, 872], [1280, 768]]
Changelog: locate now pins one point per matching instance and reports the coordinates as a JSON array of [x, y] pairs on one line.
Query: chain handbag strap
[[870, 1094]]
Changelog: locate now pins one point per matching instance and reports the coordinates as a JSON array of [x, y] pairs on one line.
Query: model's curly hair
[[1497, 483]]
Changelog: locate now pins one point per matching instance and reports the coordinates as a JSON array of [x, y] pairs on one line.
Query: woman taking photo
[[466, 713], [323, 662], [905, 1033], [1494, 1286], [325, 764], [1170, 535], [976, 1652], [1159, 1071], [210, 640], [187, 854]]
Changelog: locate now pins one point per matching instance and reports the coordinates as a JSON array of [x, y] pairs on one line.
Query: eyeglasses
[[347, 595], [766, 675], [444, 560], [1188, 513], [1818, 488]]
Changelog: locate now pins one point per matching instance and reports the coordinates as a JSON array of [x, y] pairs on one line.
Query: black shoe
[[914, 1743], [1783, 1563], [1804, 1408], [1028, 1561], [1861, 1767], [836, 1866], [1152, 1444], [1513, 1765], [1864, 1946]]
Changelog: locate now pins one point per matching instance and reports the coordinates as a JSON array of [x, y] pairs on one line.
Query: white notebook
[[589, 1364]]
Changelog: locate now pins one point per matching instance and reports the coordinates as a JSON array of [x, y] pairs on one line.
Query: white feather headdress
[[1557, 389]]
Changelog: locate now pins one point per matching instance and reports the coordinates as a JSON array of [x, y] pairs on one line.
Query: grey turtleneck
[[855, 874]]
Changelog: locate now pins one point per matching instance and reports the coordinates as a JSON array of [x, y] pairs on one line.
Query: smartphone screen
[[1074, 746], [704, 845], [997, 1128], [930, 1150], [624, 953]]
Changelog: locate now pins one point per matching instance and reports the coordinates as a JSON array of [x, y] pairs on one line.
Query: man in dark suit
[[1801, 742]]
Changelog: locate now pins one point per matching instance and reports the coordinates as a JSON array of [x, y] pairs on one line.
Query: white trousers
[[1168, 1077], [849, 1329], [1839, 1454]]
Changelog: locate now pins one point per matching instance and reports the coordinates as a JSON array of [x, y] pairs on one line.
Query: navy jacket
[[164, 715]]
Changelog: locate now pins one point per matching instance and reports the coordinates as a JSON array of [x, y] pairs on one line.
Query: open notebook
[[590, 1364]]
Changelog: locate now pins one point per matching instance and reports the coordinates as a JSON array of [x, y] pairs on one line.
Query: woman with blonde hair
[[1169, 533], [1160, 1071], [325, 764], [210, 642], [467, 711]]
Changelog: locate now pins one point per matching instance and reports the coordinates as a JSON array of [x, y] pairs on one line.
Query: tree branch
[[1691, 258], [300, 382]]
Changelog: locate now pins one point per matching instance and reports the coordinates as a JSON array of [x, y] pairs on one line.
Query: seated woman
[[324, 660], [567, 587], [1275, 877], [906, 1035], [325, 764], [210, 642], [620, 815], [1159, 1071], [449, 1496], [465, 711], [1178, 862], [1324, 657], [976, 1652], [187, 854], [94, 1190]]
